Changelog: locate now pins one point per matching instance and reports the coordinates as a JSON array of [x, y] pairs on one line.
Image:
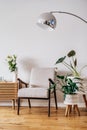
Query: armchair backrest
[[39, 77]]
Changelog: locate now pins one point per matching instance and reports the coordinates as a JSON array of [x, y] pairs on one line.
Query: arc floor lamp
[[48, 21]]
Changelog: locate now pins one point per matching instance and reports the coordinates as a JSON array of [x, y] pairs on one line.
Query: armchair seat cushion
[[33, 92]]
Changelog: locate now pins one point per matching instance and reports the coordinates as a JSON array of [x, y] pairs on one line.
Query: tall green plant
[[72, 65]]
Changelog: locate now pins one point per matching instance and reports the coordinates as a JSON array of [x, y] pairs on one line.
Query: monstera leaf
[[60, 60], [71, 53], [60, 77]]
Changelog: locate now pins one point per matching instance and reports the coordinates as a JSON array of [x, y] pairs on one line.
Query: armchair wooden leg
[[85, 100], [29, 103], [49, 108], [49, 105], [18, 106], [55, 99]]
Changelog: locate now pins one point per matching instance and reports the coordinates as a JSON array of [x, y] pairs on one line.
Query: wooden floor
[[36, 119]]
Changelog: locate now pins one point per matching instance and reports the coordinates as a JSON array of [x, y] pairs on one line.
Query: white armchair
[[41, 81]]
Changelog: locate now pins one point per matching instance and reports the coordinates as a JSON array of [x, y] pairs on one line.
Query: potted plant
[[70, 88], [12, 65], [11, 60]]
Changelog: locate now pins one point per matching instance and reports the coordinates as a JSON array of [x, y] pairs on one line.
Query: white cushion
[[33, 92], [39, 84], [39, 76]]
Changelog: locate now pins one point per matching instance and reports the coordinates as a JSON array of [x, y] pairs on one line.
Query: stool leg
[[69, 109], [77, 109], [66, 111], [73, 107]]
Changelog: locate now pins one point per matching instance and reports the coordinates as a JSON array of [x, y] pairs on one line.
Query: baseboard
[[44, 104]]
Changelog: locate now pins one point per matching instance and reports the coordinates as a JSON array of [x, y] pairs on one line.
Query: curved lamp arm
[[70, 14], [48, 20]]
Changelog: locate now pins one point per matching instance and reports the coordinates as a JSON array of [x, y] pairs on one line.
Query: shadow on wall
[[24, 68], [27, 64], [60, 72]]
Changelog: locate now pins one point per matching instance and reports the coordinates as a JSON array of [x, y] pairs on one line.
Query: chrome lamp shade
[[47, 21]]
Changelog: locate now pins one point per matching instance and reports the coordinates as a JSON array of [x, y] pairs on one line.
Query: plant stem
[[83, 68], [73, 70], [68, 66]]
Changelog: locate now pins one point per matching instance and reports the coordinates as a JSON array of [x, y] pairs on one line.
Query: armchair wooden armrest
[[22, 83], [51, 81], [52, 84]]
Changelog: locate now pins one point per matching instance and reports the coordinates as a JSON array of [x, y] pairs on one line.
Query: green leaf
[[52, 86], [71, 53], [60, 60], [60, 77], [75, 62]]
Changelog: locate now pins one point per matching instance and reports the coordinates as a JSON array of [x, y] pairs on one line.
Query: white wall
[[35, 47]]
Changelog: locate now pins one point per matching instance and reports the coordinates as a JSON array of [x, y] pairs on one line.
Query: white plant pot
[[71, 99], [14, 76]]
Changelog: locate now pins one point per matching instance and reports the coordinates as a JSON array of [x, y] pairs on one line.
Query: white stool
[[71, 102], [69, 108]]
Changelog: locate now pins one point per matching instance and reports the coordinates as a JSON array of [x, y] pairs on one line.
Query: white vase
[[14, 76], [71, 99]]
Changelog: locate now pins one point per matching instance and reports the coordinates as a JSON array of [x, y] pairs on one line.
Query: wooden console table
[[8, 91]]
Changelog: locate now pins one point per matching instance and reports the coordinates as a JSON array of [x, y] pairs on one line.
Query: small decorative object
[[12, 64], [72, 66]]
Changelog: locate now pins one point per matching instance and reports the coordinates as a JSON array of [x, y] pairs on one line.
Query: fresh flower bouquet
[[12, 62]]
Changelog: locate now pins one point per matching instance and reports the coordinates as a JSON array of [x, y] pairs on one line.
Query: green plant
[[68, 85], [72, 65], [11, 60]]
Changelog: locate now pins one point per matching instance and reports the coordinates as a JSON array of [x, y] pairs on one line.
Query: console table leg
[[13, 101]]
